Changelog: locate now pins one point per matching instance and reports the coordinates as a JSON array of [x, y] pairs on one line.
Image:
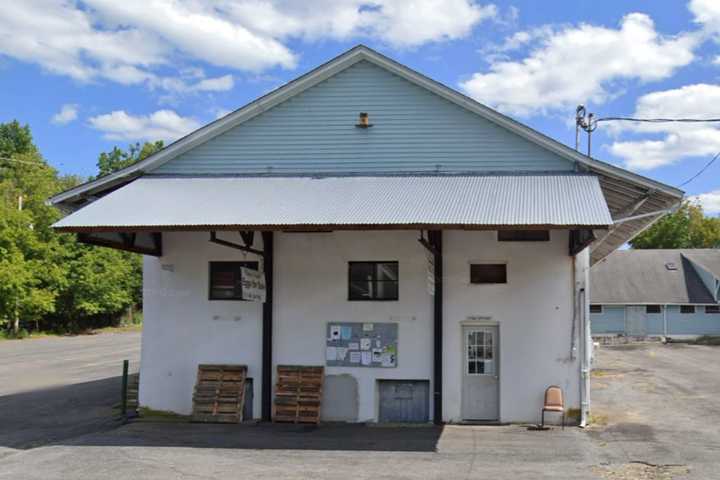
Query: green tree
[[117, 158], [50, 278], [30, 276], [15, 139], [688, 227]]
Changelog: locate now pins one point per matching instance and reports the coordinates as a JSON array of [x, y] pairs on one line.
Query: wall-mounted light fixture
[[363, 121]]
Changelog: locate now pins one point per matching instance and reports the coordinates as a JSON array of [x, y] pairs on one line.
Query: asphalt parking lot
[[657, 406], [55, 388]]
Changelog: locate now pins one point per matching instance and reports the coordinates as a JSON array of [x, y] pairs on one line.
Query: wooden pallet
[[298, 394], [219, 393]]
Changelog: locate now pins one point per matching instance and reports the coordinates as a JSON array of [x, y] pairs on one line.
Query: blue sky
[[90, 75]]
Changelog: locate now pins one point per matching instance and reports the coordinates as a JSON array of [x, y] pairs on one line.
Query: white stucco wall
[[182, 328], [533, 311]]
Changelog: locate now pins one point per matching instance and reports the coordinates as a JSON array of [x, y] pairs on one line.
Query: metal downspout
[[584, 362], [665, 333]]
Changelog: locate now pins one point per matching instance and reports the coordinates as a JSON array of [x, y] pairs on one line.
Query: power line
[[657, 120], [701, 170]]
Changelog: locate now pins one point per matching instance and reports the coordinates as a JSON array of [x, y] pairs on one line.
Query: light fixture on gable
[[363, 121]]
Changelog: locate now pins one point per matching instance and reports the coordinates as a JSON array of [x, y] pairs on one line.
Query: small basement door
[[404, 401], [480, 384]]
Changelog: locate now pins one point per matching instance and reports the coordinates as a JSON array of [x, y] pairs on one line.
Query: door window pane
[[480, 353]]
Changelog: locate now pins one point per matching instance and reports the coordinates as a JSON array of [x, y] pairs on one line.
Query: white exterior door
[[636, 321], [480, 384]]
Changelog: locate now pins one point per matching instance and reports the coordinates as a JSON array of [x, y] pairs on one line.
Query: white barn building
[[379, 205]]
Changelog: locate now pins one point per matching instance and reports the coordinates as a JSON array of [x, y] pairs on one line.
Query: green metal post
[[123, 402]]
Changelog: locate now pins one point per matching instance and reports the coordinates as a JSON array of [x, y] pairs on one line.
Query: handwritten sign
[[253, 285]]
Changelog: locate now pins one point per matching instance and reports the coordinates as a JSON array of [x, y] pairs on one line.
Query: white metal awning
[[204, 203]]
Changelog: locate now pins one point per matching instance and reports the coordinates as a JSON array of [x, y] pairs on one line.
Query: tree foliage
[[117, 158], [688, 227], [46, 278]]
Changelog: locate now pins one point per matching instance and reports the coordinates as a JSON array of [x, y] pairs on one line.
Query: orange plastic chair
[[553, 403]]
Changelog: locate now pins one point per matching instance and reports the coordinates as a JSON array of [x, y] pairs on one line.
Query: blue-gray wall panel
[[611, 320], [698, 323], [413, 130]]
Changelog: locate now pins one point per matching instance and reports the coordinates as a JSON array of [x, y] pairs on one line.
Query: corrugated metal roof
[[643, 276], [491, 200]]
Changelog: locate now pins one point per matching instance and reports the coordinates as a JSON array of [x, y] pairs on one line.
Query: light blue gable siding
[[698, 323], [611, 320], [413, 130]]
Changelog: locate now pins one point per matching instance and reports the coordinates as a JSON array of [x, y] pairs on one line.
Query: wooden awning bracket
[[247, 238], [128, 243], [579, 240], [426, 243]]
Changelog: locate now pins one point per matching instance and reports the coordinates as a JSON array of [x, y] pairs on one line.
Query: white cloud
[[710, 202], [400, 23], [671, 142], [578, 64], [707, 13], [127, 42], [161, 125], [67, 114], [219, 84]]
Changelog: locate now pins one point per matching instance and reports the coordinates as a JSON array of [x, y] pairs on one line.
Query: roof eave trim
[[317, 227]]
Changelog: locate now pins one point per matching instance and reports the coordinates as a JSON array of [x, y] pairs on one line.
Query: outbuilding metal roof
[[651, 277], [182, 203]]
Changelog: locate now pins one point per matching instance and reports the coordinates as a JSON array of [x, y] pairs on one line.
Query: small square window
[[226, 280], [373, 281], [652, 309], [595, 308], [523, 235], [712, 309], [687, 308], [488, 273]]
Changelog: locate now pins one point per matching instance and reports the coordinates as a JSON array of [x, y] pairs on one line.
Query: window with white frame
[[687, 309], [712, 309]]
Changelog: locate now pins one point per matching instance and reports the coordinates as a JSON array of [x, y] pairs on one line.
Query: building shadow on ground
[[268, 436], [87, 414], [49, 415]]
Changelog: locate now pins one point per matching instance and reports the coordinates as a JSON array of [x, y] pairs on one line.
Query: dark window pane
[[595, 308], [364, 271], [712, 309], [360, 289], [652, 309], [687, 308], [481, 367], [471, 367], [488, 273], [226, 280], [373, 281], [387, 272], [523, 235]]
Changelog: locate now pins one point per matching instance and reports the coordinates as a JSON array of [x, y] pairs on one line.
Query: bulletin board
[[368, 345]]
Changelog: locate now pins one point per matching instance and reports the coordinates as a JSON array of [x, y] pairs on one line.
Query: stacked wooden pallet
[[298, 394], [219, 393]]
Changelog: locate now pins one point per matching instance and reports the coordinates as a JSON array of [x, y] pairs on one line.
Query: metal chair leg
[[563, 421], [542, 419]]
